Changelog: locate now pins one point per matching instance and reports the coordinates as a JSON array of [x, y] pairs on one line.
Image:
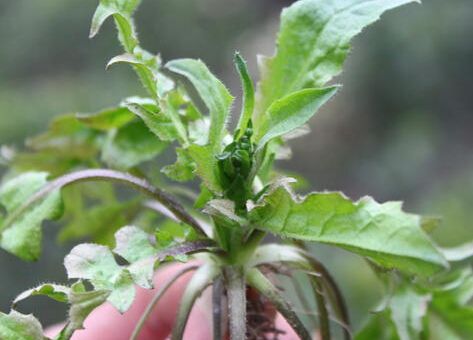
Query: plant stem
[[236, 290], [322, 307], [156, 298], [339, 301], [302, 299], [217, 294], [261, 283], [111, 175]]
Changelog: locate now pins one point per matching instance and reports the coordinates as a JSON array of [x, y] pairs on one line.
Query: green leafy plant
[[242, 199]]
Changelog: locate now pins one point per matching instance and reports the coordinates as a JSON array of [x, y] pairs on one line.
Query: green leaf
[[313, 43], [99, 222], [206, 166], [66, 144], [383, 232], [21, 229], [97, 264], [122, 11], [379, 327], [183, 169], [106, 119], [145, 65], [213, 93], [133, 244], [292, 112], [131, 145], [16, 326], [172, 112], [248, 103], [157, 122], [82, 303], [199, 131], [56, 292]]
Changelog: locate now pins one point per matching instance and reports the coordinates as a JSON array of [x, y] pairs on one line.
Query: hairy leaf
[[313, 43], [133, 244], [206, 166], [157, 122], [248, 103], [97, 264], [82, 303], [183, 169], [21, 229], [15, 326], [212, 92], [131, 145], [56, 292], [122, 11], [106, 119], [292, 112], [383, 232], [145, 65]]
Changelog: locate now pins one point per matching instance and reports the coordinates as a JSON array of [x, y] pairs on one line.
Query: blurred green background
[[401, 128]]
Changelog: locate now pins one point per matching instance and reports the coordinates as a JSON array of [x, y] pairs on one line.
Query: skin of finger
[[107, 323]]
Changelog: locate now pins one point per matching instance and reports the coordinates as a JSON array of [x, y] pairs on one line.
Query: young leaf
[[56, 292], [21, 229], [248, 103], [313, 43], [183, 169], [15, 326], [213, 93], [292, 112], [206, 166], [133, 244], [157, 122], [122, 11], [383, 232], [145, 65], [82, 303], [97, 264], [131, 145]]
